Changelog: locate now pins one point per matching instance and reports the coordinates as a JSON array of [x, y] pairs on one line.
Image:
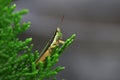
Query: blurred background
[[95, 53]]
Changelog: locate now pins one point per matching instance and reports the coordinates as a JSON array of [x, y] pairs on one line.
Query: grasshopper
[[55, 41]]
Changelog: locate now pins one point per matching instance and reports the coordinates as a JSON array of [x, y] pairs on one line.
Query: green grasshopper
[[55, 41]]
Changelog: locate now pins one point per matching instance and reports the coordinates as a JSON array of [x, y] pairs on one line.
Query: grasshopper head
[[58, 34]]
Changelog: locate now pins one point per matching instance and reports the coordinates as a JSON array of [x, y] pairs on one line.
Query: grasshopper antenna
[[61, 22]]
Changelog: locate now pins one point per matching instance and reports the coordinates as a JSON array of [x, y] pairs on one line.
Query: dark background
[[95, 53]]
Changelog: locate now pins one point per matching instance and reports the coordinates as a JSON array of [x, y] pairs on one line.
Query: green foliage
[[17, 60]]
